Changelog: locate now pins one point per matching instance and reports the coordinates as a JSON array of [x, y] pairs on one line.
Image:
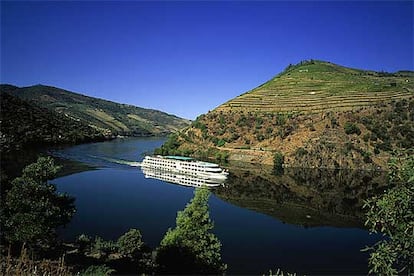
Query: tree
[[351, 128], [130, 243], [278, 161], [191, 247], [392, 214], [33, 208]]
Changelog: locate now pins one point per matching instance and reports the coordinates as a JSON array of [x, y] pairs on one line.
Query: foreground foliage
[[191, 247], [33, 209], [392, 214]]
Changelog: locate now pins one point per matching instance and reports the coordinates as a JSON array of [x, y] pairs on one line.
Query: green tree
[[351, 128], [191, 247], [33, 208], [278, 162], [392, 214], [130, 243]]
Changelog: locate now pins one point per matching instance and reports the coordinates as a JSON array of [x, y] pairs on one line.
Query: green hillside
[[316, 114], [24, 124], [314, 86], [108, 117]]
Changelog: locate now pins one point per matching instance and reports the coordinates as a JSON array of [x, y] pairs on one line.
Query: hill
[[23, 124], [315, 113], [107, 117]]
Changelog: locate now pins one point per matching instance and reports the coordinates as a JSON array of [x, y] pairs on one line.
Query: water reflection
[[307, 197], [181, 179]]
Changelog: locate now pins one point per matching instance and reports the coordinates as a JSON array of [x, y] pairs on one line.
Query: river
[[304, 221]]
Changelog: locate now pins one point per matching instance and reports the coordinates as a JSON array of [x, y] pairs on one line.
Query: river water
[[304, 221]]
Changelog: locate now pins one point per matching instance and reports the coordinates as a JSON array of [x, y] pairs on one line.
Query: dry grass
[[25, 265]]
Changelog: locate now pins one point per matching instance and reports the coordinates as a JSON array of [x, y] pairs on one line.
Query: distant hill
[[316, 113], [107, 117], [23, 124]]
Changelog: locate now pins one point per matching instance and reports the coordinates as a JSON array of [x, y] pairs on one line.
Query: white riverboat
[[185, 165]]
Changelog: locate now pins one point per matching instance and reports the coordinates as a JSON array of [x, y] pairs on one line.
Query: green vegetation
[[313, 86], [392, 214], [278, 162], [33, 209], [351, 128], [101, 270], [191, 247], [170, 147], [107, 117], [130, 244], [24, 124], [128, 254]]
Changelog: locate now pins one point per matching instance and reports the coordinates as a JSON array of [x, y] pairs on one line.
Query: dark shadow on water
[[306, 197]]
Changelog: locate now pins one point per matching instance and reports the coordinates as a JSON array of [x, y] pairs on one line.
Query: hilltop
[[314, 86], [109, 118], [315, 113]]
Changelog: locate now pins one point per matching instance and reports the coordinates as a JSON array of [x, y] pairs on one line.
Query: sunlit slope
[[108, 117], [313, 86], [316, 114]]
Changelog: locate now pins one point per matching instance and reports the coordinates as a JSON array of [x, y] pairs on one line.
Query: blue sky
[[186, 58]]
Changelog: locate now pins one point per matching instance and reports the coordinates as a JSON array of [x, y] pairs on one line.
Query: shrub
[[130, 243], [301, 152], [351, 128], [103, 247], [392, 214], [102, 270], [220, 143], [278, 162]]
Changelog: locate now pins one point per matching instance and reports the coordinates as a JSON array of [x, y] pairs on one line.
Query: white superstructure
[[185, 165]]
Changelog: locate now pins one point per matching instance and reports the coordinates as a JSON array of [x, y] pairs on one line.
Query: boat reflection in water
[[183, 170], [181, 179]]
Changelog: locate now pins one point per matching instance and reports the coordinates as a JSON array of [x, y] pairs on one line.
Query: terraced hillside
[[314, 86], [315, 114], [108, 117]]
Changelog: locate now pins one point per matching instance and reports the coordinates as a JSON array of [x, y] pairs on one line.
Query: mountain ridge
[[108, 117]]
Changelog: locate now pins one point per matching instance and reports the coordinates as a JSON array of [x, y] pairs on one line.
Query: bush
[[278, 162], [94, 270], [220, 143], [351, 128], [301, 152], [103, 247], [130, 243], [222, 156], [84, 242], [392, 214]]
